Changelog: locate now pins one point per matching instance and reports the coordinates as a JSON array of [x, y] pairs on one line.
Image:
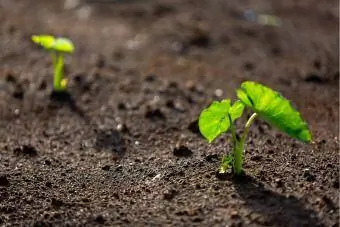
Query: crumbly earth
[[123, 148]]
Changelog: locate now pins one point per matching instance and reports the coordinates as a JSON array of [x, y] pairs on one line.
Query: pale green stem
[[246, 129], [58, 60], [239, 147]]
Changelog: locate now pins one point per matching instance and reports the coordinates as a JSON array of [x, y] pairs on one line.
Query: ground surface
[[125, 150]]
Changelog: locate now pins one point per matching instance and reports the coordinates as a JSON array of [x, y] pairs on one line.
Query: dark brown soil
[[123, 147]]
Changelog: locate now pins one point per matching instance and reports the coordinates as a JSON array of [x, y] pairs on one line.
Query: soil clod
[[4, 182], [213, 158], [57, 203], [314, 78], [154, 114], [182, 151], [170, 194], [193, 127], [106, 168], [26, 150]]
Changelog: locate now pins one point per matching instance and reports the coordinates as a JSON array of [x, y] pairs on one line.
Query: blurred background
[[293, 43]]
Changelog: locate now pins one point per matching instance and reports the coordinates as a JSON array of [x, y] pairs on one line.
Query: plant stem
[[246, 129], [58, 71], [239, 146]]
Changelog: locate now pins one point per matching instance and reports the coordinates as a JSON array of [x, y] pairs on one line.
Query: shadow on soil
[[277, 209], [65, 99]]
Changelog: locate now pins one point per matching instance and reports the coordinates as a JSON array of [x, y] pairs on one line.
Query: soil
[[122, 148]]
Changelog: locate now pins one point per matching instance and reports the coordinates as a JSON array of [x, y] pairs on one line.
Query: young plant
[[265, 103], [57, 48]]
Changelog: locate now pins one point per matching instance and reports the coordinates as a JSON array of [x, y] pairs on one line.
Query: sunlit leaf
[[275, 109], [214, 120], [47, 41], [51, 43], [236, 110], [64, 45]]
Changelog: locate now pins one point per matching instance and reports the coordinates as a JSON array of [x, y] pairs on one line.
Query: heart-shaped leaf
[[236, 110], [275, 109], [214, 120]]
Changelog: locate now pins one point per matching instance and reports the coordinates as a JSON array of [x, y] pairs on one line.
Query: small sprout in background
[[266, 103], [57, 47], [263, 19]]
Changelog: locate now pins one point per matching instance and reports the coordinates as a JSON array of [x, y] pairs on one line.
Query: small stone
[[17, 112], [279, 182], [218, 93], [175, 105], [122, 128], [234, 214]]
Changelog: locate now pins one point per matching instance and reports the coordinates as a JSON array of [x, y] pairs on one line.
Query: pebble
[[218, 93]]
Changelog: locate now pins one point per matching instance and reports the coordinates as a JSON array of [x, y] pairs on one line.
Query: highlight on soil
[[57, 46], [265, 103]]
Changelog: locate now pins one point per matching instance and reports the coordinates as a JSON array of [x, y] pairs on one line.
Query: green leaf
[[214, 120], [236, 110], [227, 162], [275, 109], [64, 45], [51, 43], [47, 41]]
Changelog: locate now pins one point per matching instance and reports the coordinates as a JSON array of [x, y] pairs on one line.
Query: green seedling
[[57, 47], [266, 104]]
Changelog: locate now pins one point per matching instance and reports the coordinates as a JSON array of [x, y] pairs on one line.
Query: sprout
[[266, 103], [57, 47]]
